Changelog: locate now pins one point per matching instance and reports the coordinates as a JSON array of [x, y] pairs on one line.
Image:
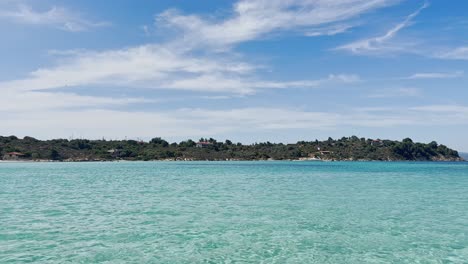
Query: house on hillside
[[203, 144], [13, 156], [376, 142], [114, 152]]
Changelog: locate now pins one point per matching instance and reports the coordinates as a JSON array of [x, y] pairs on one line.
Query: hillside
[[346, 148]]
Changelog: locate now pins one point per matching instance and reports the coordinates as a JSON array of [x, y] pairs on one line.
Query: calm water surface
[[234, 212]]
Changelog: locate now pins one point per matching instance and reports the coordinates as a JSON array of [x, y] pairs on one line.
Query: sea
[[234, 212]]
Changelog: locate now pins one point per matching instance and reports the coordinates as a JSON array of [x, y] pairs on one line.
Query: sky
[[247, 70]]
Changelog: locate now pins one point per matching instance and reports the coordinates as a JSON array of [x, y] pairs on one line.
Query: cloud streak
[[382, 43], [58, 17], [255, 19], [19, 101], [436, 75], [460, 53], [396, 92], [157, 67], [194, 122]]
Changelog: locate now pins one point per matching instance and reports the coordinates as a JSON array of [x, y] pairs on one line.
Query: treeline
[[346, 148]]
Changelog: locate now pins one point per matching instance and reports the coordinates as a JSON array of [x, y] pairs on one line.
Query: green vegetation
[[346, 148]]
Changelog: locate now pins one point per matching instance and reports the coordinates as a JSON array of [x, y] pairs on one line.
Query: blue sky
[[249, 71]]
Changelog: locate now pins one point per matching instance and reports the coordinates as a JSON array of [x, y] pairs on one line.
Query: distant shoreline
[[188, 161], [157, 149]]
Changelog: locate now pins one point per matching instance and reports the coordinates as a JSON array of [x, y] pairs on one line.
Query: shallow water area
[[234, 212]]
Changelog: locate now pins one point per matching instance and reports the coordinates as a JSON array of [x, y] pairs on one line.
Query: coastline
[[229, 160], [344, 149]]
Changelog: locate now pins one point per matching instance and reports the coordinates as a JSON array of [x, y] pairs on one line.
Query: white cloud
[[443, 114], [254, 19], [396, 92], [157, 67], [26, 101], [219, 83], [185, 123], [329, 31], [441, 109], [217, 97], [56, 16], [176, 123], [171, 65], [178, 65], [140, 66], [382, 43], [460, 53], [436, 75]]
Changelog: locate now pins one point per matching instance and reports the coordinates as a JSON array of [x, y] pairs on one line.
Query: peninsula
[[347, 148]]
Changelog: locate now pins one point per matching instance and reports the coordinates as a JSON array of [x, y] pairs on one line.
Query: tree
[[159, 141], [407, 140], [30, 139], [187, 144], [54, 155]]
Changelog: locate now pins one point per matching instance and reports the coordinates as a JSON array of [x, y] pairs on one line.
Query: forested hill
[[346, 148]]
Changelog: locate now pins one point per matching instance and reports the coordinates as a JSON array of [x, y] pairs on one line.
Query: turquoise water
[[234, 212]]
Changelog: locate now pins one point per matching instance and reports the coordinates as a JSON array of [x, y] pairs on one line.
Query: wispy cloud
[[157, 67], [184, 123], [175, 65], [382, 43], [28, 101], [138, 66], [58, 17], [460, 53], [245, 86], [178, 63], [256, 19], [396, 92], [436, 75], [442, 109], [329, 31]]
